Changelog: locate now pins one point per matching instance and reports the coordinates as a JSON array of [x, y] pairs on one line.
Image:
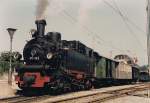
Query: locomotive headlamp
[[49, 55]]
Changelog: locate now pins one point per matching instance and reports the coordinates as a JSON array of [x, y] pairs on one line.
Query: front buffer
[[32, 76]]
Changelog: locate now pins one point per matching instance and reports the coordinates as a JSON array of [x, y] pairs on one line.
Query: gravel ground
[[138, 97], [5, 89], [130, 99]]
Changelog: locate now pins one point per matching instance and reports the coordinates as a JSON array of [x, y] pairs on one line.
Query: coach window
[[90, 53]]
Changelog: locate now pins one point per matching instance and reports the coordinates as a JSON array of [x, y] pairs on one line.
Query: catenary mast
[[148, 33]]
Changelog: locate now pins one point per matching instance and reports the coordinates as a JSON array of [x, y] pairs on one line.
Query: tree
[[4, 60]]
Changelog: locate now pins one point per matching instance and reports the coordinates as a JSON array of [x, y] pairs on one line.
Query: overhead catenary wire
[[99, 40], [72, 22], [123, 15], [92, 33], [89, 33], [124, 18]]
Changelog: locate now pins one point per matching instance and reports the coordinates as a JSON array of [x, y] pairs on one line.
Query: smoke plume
[[55, 7], [41, 8]]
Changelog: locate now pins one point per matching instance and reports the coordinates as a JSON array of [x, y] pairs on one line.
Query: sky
[[96, 23]]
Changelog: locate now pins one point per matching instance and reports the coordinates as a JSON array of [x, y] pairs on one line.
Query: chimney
[[40, 27]]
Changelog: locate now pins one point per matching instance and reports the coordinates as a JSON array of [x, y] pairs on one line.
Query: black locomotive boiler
[[55, 64]]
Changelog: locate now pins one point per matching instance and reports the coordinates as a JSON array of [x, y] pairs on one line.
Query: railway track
[[23, 99], [99, 97], [94, 97]]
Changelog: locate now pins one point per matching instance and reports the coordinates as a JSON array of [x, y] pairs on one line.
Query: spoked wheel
[[74, 88], [77, 86], [62, 85], [88, 85], [55, 90]]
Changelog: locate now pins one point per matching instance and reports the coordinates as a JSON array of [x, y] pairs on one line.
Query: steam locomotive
[[59, 65]]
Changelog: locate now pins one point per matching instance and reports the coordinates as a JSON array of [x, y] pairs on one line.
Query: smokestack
[[40, 27]]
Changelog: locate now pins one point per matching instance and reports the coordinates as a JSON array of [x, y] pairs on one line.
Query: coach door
[[108, 69]]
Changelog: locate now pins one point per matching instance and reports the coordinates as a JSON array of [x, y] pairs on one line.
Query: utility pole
[[11, 32], [148, 33]]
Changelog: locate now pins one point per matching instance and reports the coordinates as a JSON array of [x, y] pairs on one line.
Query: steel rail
[[103, 96], [107, 95], [23, 99]]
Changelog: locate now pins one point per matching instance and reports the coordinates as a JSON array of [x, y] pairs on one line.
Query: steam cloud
[[41, 8]]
